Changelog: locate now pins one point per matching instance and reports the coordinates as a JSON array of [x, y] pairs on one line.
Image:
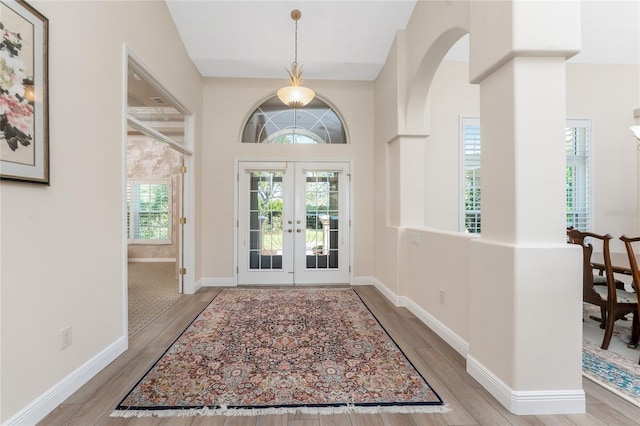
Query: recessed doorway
[[159, 198]]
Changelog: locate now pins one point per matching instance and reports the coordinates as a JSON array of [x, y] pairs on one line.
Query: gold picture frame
[[24, 98]]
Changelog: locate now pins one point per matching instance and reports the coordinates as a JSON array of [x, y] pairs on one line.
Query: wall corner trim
[[539, 402], [48, 401]]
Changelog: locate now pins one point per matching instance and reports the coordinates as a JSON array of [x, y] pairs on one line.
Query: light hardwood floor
[[442, 366]]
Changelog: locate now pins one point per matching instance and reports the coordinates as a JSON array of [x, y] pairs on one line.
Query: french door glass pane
[[265, 220], [321, 195]]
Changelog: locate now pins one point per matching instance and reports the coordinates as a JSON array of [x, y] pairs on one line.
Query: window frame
[[131, 183], [270, 120]]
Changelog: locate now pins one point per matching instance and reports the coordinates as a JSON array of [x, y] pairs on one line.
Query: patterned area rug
[[617, 368], [275, 351]]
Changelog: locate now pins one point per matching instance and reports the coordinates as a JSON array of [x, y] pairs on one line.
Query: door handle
[[298, 230], [289, 230]]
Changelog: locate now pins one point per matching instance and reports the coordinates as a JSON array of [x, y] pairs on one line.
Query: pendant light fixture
[[295, 95]]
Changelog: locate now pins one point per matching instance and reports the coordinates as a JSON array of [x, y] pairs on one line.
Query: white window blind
[[578, 179], [470, 131], [149, 208], [577, 143]]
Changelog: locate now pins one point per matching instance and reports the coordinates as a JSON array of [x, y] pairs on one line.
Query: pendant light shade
[[295, 95]]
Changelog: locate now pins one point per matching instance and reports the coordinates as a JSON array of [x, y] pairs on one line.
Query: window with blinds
[[578, 185], [470, 131], [577, 144], [149, 211]]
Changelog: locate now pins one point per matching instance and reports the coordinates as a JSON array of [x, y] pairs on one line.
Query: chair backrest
[[633, 263], [588, 292]]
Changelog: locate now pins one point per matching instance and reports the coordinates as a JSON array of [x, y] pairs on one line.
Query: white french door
[[293, 223]]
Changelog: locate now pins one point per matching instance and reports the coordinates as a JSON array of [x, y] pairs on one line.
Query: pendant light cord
[[295, 61]]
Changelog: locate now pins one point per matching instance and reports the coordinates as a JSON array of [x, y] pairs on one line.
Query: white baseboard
[[48, 401], [230, 282], [528, 402], [363, 281], [216, 282], [151, 259], [386, 291], [517, 402], [455, 341], [191, 287]]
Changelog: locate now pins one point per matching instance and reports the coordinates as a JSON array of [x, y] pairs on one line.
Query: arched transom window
[[274, 122]]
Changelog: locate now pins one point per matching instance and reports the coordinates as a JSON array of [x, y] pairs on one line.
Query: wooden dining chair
[[635, 273], [577, 237], [614, 302]]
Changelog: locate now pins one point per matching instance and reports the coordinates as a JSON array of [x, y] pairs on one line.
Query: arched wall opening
[[418, 119], [438, 96], [450, 277], [451, 101]]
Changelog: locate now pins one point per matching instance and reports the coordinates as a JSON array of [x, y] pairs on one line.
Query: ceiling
[[337, 40], [350, 40], [147, 104]]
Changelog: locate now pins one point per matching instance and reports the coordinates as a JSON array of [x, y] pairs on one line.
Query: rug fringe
[[225, 411]]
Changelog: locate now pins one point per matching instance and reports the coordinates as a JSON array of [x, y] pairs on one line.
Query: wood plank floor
[[442, 366]]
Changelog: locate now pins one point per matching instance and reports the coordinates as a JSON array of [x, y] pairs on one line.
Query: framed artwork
[[24, 103]]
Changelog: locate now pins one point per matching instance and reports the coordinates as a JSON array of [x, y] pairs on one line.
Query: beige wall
[[608, 95], [62, 247], [228, 103], [590, 95], [48, 282]]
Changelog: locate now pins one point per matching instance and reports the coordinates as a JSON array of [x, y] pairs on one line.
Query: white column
[[526, 293]]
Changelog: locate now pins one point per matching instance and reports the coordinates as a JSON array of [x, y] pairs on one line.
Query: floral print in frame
[[24, 135]]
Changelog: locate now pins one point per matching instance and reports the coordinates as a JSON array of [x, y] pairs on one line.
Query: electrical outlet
[[441, 297], [65, 337], [415, 238]]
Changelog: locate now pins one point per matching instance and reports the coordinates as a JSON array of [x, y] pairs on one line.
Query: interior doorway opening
[[159, 197], [154, 195]]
